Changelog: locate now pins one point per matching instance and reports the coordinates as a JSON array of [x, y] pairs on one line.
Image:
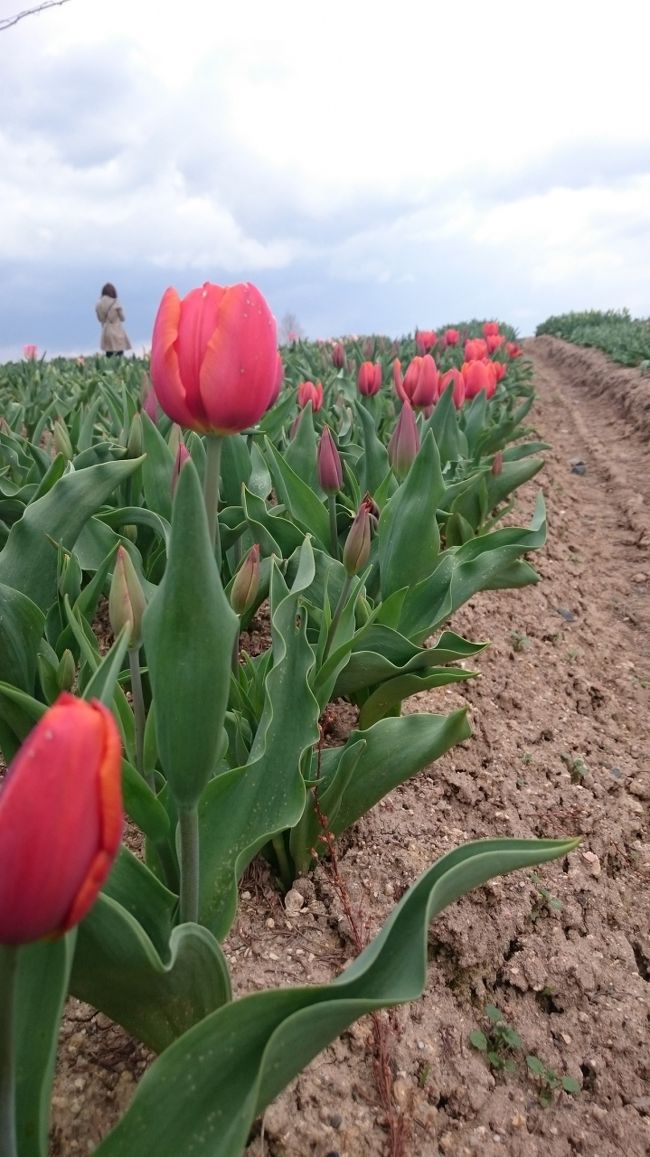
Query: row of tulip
[[362, 519]]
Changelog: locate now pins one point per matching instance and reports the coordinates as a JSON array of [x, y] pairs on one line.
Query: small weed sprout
[[519, 641], [549, 1082], [575, 765], [499, 1042]]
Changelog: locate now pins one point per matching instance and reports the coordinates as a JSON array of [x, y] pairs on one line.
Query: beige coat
[[111, 315]]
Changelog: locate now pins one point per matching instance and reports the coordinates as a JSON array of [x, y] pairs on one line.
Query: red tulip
[[458, 394], [398, 379], [338, 355], [493, 341], [475, 349], [404, 443], [479, 375], [60, 820], [425, 339], [356, 550], [490, 328], [308, 392], [420, 383], [500, 370], [514, 350], [369, 378], [451, 337], [330, 470], [214, 360]]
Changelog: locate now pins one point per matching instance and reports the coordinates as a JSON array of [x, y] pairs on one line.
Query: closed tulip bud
[[69, 582], [451, 337], [126, 601], [490, 328], [246, 583], [30, 352], [60, 820], [134, 443], [356, 550], [404, 443], [458, 394], [182, 454], [368, 348], [497, 462], [330, 470], [214, 357], [150, 403], [66, 671], [277, 385], [338, 355], [369, 378], [425, 339], [420, 383], [61, 439], [398, 380], [310, 392]]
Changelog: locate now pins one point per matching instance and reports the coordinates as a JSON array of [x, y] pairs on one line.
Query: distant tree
[[290, 329], [9, 21]]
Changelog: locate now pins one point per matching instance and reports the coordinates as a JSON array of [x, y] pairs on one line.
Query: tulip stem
[[8, 974], [284, 866], [235, 665], [343, 598], [334, 536], [211, 491], [188, 823], [139, 713]]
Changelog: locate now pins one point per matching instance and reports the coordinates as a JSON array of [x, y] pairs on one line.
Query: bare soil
[[560, 747]]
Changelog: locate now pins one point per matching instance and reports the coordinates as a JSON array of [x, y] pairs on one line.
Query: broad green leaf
[[408, 531], [155, 996], [250, 1049], [303, 505], [28, 561], [21, 627], [189, 630]]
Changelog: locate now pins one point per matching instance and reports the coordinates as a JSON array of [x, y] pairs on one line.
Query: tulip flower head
[[126, 601], [214, 358], [479, 375], [30, 352], [338, 355], [425, 339], [60, 820], [513, 350], [458, 394], [451, 337], [356, 550], [369, 378], [493, 341], [404, 443], [398, 379], [420, 385], [500, 370], [475, 349], [246, 582], [490, 328], [310, 392], [330, 470]]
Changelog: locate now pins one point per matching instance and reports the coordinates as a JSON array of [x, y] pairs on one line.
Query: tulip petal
[[165, 371], [239, 371]]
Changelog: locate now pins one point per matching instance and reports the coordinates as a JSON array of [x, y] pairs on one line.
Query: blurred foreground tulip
[[369, 378], [310, 392], [60, 820], [420, 383], [425, 339], [214, 359]]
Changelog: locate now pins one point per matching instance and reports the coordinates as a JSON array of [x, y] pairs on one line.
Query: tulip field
[[237, 589]]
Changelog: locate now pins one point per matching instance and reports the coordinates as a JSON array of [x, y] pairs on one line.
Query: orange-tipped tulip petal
[[60, 820]]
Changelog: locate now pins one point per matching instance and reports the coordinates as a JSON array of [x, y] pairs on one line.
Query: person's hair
[[109, 290]]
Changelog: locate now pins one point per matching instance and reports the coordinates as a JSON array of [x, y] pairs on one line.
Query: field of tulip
[[625, 339], [344, 500]]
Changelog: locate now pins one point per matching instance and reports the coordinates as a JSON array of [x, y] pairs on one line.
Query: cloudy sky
[[372, 169]]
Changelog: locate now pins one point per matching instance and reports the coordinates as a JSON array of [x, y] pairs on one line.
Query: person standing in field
[[114, 339]]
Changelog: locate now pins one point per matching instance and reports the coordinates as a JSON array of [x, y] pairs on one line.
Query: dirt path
[[561, 746]]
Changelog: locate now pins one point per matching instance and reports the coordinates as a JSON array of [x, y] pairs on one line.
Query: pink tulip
[[310, 392], [475, 349], [420, 383], [514, 350], [404, 443], [451, 337], [214, 358], [425, 339], [369, 378], [493, 341], [490, 328], [30, 352], [458, 393]]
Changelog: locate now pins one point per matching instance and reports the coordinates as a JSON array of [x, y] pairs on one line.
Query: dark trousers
[[114, 353]]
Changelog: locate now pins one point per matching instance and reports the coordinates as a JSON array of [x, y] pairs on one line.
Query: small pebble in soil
[[568, 616], [577, 466]]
